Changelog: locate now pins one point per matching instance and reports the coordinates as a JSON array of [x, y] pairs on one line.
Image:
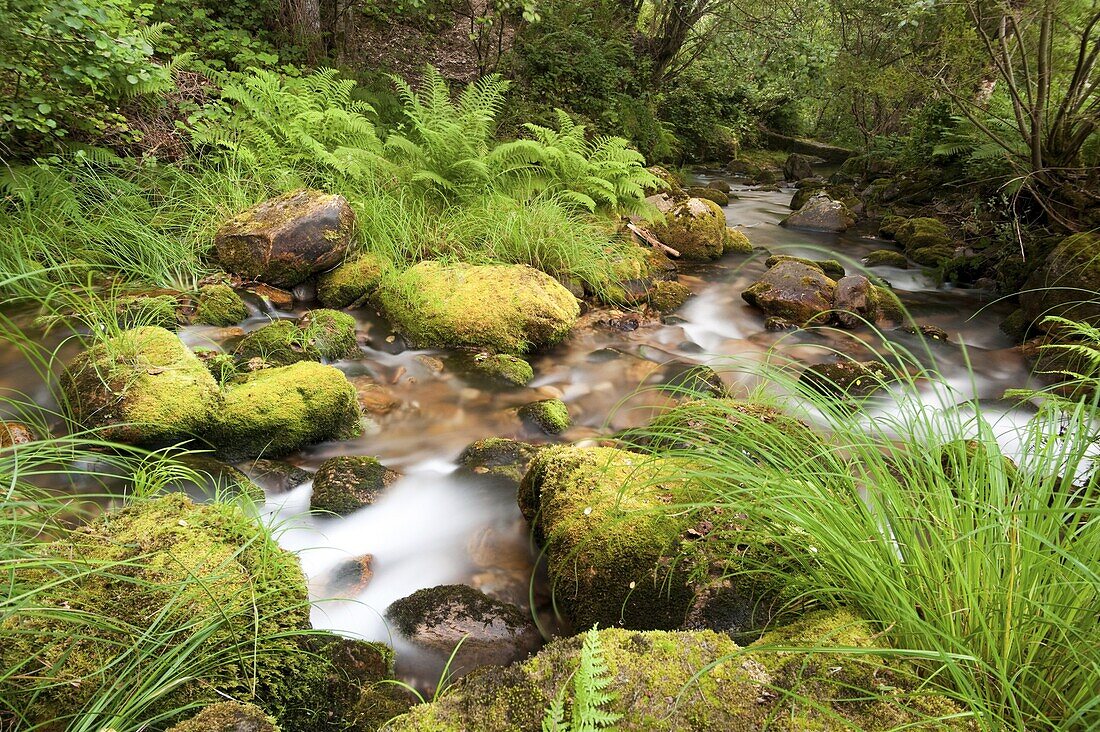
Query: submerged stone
[[500, 308], [848, 378], [286, 240]]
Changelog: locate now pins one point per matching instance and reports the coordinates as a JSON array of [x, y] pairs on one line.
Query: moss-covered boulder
[[702, 423], [794, 291], [549, 415], [703, 681], [497, 460], [831, 267], [229, 717], [1066, 285], [316, 336], [709, 194], [500, 308], [501, 368], [696, 228], [286, 240], [347, 483], [821, 213], [807, 189], [491, 632], [352, 283], [141, 387], [886, 258], [736, 242], [847, 378], [926, 240], [617, 556], [668, 296], [159, 574], [219, 305], [277, 411]]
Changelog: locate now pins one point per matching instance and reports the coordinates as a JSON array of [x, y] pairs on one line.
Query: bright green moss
[[549, 415], [143, 386], [351, 283], [886, 258], [219, 305], [660, 681], [317, 335], [696, 228], [499, 308], [188, 568], [504, 368], [277, 411]]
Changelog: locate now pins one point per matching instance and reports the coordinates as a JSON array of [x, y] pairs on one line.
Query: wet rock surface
[[821, 213], [347, 483]]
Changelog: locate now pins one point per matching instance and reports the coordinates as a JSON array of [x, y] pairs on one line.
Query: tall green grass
[[984, 567]]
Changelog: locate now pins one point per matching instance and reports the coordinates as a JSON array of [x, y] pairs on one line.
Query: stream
[[436, 527]]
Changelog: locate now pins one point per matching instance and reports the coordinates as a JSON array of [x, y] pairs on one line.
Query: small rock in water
[[15, 433], [549, 415], [775, 324], [349, 578], [496, 460], [932, 332], [347, 483], [276, 476], [491, 632], [375, 399]]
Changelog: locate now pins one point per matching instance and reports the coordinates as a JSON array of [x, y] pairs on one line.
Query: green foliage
[[223, 35], [590, 682], [67, 66], [311, 126], [985, 570]]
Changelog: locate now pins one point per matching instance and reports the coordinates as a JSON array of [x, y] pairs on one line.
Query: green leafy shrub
[[67, 66]]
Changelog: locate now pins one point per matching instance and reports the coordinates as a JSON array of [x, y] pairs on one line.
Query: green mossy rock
[[228, 717], [317, 335], [1067, 284], [830, 267], [847, 379], [347, 483], [736, 242], [549, 415], [926, 240], [703, 682], [501, 461], [704, 422], [219, 305], [503, 368], [793, 291], [635, 274], [889, 226], [142, 387], [886, 258], [696, 228], [159, 551], [709, 194], [668, 296], [277, 411], [352, 283], [499, 308]]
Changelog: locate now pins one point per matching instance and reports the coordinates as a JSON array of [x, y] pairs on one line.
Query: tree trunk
[[301, 20]]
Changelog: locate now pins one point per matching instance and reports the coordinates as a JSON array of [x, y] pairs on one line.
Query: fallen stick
[[652, 240]]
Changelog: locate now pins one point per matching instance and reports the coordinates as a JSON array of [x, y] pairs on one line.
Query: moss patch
[[219, 305], [229, 717], [317, 335], [831, 267], [503, 368], [696, 228], [655, 686], [736, 242], [351, 283], [277, 411], [143, 387], [549, 415], [500, 308], [886, 258]]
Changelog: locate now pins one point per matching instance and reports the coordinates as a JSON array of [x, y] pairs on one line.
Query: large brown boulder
[[798, 166], [793, 291], [286, 240]]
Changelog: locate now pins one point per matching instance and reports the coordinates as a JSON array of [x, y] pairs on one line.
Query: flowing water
[[434, 527]]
